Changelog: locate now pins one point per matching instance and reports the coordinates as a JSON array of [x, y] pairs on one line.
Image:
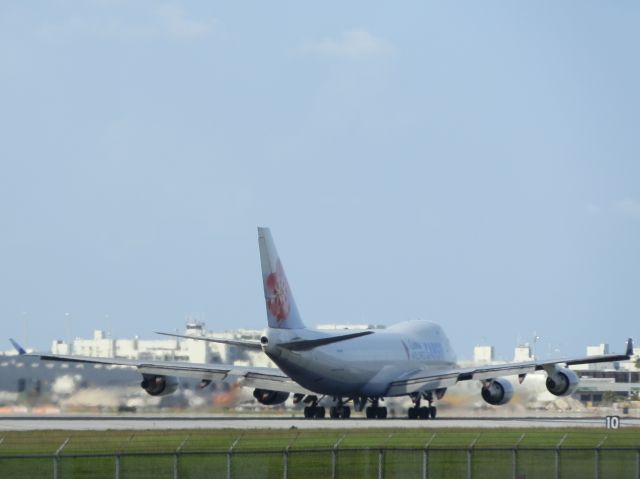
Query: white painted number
[[613, 422]]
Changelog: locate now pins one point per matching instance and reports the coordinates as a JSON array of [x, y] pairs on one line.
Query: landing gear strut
[[340, 411], [375, 411], [313, 411], [422, 412]]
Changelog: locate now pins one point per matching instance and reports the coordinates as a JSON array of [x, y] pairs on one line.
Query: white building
[[522, 353], [171, 349], [483, 354], [598, 350]]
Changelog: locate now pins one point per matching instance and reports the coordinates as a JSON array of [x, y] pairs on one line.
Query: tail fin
[[282, 312]]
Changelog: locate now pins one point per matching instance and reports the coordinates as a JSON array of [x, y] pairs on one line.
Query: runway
[[158, 422]]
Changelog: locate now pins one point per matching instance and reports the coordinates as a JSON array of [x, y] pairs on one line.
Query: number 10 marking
[[613, 422]]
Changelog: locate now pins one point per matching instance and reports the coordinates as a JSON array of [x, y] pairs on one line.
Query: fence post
[[425, 457], [514, 464], [334, 458], [381, 452], [176, 458], [597, 457], [286, 455], [286, 463], [558, 455], [425, 463], [56, 458], [229, 454], [117, 455], [334, 464], [470, 457]]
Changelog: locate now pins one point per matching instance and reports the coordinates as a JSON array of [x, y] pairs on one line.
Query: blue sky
[[472, 163]]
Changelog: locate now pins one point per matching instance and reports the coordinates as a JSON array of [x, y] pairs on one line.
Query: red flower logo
[[278, 293]]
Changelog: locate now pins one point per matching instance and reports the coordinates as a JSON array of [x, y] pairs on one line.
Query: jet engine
[[270, 398], [562, 382], [159, 385], [497, 391]]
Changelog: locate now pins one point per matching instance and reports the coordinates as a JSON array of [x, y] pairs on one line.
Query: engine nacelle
[[497, 391], [562, 382], [159, 385], [270, 398]]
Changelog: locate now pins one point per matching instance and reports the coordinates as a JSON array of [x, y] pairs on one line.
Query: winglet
[[18, 348], [629, 351]]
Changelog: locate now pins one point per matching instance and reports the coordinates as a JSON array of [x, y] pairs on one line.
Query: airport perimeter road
[[101, 423]]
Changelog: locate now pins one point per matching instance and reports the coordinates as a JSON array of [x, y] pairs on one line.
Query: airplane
[[411, 358]]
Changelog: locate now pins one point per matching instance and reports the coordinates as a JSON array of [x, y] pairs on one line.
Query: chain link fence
[[333, 462]]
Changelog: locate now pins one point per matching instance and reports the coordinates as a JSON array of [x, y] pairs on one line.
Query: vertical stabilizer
[[282, 311]]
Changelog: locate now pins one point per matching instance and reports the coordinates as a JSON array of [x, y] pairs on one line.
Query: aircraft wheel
[[370, 413], [423, 412], [319, 412], [333, 412], [377, 412], [346, 412], [433, 411], [412, 413], [307, 412]]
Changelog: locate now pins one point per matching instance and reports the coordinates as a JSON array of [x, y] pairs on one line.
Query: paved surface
[[101, 423]]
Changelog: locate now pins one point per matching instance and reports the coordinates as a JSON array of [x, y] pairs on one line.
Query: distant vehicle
[[411, 358]]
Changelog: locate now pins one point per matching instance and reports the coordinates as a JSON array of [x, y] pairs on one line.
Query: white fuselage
[[363, 366]]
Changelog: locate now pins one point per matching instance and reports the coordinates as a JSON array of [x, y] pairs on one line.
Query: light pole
[[68, 323], [26, 329]]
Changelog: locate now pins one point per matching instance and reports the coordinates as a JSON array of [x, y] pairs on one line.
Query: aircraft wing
[[423, 380], [259, 377]]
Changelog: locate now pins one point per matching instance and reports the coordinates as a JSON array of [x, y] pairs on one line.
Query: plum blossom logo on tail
[[278, 293]]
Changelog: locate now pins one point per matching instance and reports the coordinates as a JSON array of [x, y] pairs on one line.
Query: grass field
[[311, 453]]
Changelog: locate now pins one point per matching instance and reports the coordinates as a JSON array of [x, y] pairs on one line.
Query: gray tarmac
[[158, 422]]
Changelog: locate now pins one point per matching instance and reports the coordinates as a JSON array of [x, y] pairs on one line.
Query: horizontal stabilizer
[[306, 344], [243, 343]]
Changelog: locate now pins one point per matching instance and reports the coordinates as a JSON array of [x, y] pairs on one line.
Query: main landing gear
[[422, 412], [340, 412], [313, 411], [375, 411]]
